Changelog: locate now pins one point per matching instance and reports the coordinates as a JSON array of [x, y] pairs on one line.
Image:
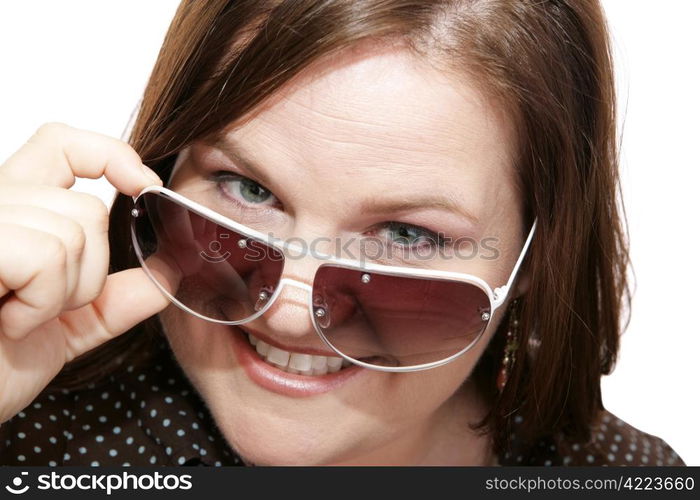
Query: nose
[[288, 316]]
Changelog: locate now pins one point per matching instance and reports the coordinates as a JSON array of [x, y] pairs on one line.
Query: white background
[[86, 63]]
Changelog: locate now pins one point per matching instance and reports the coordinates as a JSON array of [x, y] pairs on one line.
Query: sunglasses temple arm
[[501, 292]]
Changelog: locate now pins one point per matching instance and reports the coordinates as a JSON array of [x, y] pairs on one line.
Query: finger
[[57, 153], [65, 229], [88, 211], [34, 267], [128, 298]]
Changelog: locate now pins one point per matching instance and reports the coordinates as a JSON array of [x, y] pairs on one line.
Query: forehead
[[377, 97], [388, 115]]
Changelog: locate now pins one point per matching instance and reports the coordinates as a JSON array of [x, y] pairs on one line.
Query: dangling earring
[[511, 346]]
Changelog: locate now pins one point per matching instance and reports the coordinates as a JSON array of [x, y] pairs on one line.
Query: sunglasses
[[382, 317]]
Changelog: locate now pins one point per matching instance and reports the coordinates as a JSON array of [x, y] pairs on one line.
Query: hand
[[56, 299]]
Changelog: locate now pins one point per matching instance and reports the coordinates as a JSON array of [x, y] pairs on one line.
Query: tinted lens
[[397, 321], [205, 267]]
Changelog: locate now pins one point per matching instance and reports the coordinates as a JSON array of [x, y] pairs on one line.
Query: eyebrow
[[382, 205], [236, 153]]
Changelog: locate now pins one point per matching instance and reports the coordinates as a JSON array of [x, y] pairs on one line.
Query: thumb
[[127, 298]]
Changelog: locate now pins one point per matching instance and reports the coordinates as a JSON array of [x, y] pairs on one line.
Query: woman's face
[[373, 144]]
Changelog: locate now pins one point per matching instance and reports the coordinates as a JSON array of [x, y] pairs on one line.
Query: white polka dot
[[547, 463], [89, 408], [21, 414], [37, 405], [203, 452], [154, 413], [611, 457], [126, 464], [129, 440], [21, 435], [21, 458], [82, 450], [53, 418], [102, 419], [37, 449], [141, 450], [618, 438], [645, 458], [105, 395], [180, 432], [166, 422], [118, 405], [613, 447], [168, 399], [217, 464], [95, 463], [86, 427], [590, 459], [575, 447], [168, 451], [117, 430], [52, 463], [153, 459], [181, 460], [633, 447], [628, 457], [66, 457], [195, 425], [53, 440], [99, 439], [113, 453], [37, 425]]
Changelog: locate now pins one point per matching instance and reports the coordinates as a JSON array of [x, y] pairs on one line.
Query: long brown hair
[[546, 62]]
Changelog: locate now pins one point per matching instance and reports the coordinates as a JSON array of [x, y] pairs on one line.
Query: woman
[[468, 146]]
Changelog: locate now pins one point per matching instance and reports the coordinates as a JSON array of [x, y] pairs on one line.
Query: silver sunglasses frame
[[496, 296]]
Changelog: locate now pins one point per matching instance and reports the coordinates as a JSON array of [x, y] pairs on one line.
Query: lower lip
[[281, 382]]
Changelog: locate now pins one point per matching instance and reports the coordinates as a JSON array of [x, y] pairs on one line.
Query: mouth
[[297, 362], [295, 374]]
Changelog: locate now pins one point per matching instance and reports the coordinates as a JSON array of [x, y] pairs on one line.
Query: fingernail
[[151, 174]]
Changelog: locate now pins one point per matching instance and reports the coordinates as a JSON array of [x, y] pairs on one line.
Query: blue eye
[[244, 190], [408, 235]]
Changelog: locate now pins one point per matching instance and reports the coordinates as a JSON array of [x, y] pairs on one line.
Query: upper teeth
[[296, 362]]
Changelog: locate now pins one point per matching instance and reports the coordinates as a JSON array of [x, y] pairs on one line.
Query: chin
[[269, 417], [275, 431]]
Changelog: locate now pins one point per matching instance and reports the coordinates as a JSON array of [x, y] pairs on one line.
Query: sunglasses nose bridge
[[286, 311], [295, 283]]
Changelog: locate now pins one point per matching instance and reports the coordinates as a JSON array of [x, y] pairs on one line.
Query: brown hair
[[547, 62]]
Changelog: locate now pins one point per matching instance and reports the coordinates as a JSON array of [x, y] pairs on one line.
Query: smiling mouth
[[295, 362]]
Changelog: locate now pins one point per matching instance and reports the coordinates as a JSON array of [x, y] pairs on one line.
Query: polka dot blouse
[[151, 415]]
